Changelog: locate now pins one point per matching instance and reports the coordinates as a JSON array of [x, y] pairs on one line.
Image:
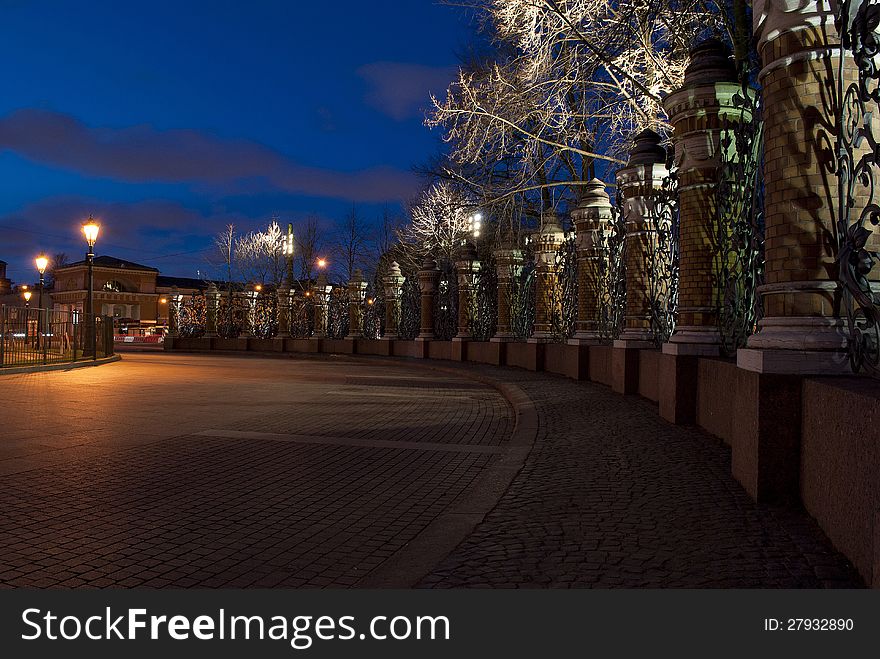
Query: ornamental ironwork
[[662, 263], [374, 315], [739, 227], [233, 315], [484, 301], [565, 295], [337, 313], [446, 303], [612, 274], [858, 158], [191, 314], [408, 325]]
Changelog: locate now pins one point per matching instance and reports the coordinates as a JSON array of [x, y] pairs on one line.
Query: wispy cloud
[[402, 90], [143, 153]]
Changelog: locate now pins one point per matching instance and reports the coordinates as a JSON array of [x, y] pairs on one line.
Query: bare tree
[[57, 261], [308, 246], [260, 255], [351, 243]]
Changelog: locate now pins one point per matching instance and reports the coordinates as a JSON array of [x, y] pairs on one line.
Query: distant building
[[5, 284], [135, 295]]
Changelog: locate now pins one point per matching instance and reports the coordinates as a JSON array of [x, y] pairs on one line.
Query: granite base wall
[[840, 466]]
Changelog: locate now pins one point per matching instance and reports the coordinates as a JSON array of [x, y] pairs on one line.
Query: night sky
[[168, 120]]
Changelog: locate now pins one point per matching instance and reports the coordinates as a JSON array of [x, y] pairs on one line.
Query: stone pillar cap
[[646, 149], [357, 275], [595, 194], [428, 263], [711, 62], [394, 269], [467, 252]]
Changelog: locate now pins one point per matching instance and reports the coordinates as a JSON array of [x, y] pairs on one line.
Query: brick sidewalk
[[613, 496]]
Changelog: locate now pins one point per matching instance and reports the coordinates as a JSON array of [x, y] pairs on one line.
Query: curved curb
[[410, 564], [42, 368]]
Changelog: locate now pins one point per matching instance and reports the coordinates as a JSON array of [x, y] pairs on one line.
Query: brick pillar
[[393, 283], [357, 289], [283, 311], [592, 219], [429, 275], [466, 268], [800, 333], [643, 174], [547, 243], [321, 293], [508, 265], [212, 307], [696, 112]]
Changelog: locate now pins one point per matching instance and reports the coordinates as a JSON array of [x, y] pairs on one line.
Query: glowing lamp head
[[90, 230], [476, 224], [42, 263], [322, 263], [27, 296], [258, 288], [163, 300]]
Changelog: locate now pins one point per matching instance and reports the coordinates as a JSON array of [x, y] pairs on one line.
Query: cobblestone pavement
[[613, 496], [206, 471], [216, 472]]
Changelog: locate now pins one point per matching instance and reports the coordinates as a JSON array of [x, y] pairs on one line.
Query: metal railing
[[34, 337]]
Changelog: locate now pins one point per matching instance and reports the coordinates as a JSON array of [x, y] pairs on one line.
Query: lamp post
[[42, 263], [90, 230], [287, 250], [27, 298]]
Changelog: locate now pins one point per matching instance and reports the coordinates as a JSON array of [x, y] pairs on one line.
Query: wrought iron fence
[[612, 274], [739, 232], [31, 337], [374, 316], [410, 309], [446, 304], [338, 313], [483, 312], [663, 258], [564, 297], [858, 159]]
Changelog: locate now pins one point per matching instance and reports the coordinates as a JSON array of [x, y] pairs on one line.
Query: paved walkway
[[173, 470]]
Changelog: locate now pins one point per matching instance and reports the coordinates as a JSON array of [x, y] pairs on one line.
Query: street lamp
[[90, 230], [27, 298], [42, 263], [476, 224], [287, 250]]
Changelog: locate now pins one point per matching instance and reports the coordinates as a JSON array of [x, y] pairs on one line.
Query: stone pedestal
[[800, 332], [639, 182], [429, 275], [547, 295], [592, 220], [393, 284], [697, 112]]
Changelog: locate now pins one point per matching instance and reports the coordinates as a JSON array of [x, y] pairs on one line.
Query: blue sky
[[170, 119]]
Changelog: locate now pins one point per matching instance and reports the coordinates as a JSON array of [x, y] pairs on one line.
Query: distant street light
[[27, 298], [287, 250], [322, 263], [42, 263], [90, 230]]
